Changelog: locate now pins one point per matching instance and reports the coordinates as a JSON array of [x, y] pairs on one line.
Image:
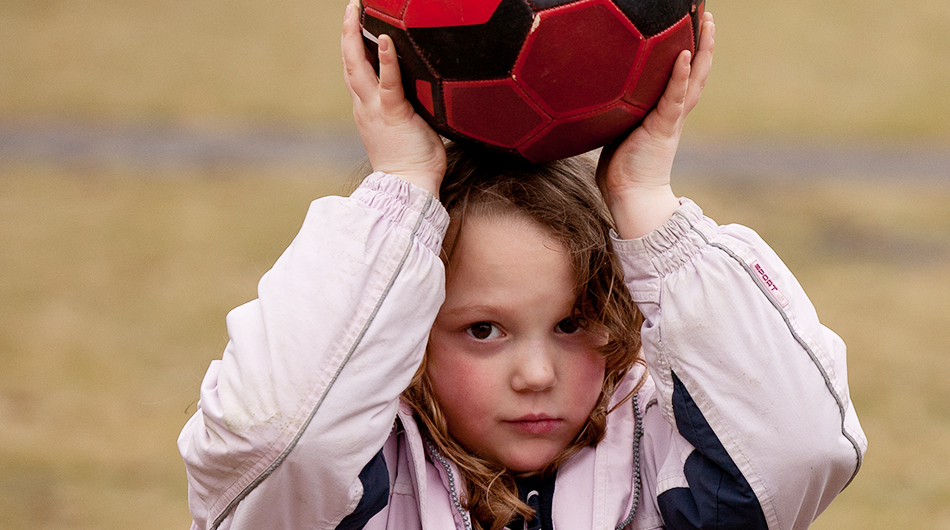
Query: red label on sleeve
[[769, 284]]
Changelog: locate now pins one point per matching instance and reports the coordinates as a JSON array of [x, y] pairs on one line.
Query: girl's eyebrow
[[475, 312], [470, 309]]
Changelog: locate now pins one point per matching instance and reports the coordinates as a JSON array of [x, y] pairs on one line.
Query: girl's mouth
[[535, 424]]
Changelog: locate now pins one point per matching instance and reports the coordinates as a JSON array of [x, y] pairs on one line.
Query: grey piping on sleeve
[[280, 459], [814, 358]]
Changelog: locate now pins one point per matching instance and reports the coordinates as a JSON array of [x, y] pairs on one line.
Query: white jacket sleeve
[[307, 389], [745, 373]]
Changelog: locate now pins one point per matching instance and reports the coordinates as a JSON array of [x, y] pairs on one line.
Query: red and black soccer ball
[[545, 79]]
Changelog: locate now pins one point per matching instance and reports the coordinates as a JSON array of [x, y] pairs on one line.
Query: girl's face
[[515, 376]]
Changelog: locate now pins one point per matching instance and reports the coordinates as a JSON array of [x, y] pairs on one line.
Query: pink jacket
[[746, 420]]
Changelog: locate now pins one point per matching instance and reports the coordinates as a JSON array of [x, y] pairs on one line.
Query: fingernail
[[384, 43], [348, 13]]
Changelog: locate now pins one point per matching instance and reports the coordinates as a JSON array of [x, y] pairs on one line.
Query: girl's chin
[[529, 461]]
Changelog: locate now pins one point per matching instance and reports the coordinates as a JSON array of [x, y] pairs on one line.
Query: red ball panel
[[660, 55], [424, 95], [369, 24], [578, 57], [571, 137], [439, 13], [393, 8], [495, 112]]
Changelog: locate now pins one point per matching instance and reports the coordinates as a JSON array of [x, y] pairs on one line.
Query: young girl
[[477, 362]]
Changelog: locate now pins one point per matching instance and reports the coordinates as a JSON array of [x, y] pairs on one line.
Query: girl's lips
[[535, 424]]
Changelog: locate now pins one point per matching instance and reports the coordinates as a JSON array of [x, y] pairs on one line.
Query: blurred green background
[[825, 126]]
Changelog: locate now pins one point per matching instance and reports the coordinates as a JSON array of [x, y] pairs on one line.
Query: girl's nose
[[534, 369]]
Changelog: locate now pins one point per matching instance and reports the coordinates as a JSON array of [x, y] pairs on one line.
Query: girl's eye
[[483, 331], [570, 325]]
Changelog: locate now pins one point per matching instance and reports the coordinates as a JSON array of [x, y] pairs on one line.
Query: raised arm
[[307, 390], [754, 426], [755, 386]]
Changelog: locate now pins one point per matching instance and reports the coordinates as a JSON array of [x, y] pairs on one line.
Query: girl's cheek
[[460, 379], [468, 376], [590, 371]]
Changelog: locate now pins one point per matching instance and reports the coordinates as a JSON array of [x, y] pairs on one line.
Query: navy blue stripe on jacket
[[718, 495], [375, 479]]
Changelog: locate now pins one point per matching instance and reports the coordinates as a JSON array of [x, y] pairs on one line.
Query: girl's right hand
[[397, 140]]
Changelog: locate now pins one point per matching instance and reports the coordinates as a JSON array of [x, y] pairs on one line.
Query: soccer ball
[[545, 79]]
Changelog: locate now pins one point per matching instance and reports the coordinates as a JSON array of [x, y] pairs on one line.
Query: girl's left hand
[[634, 177]]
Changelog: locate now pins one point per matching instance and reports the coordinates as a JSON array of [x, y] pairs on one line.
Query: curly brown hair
[[563, 197]]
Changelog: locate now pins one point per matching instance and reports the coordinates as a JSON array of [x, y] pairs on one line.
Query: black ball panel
[[653, 16], [484, 51], [540, 5]]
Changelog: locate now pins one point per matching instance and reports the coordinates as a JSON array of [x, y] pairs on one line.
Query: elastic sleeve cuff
[[646, 260], [401, 202]]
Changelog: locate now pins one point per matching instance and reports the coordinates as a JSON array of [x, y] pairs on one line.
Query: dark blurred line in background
[[801, 160], [174, 148], [167, 148]]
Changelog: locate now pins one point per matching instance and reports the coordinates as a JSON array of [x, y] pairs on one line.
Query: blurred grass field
[[115, 286], [115, 278]]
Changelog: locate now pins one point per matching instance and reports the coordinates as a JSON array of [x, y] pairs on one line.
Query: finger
[[702, 63], [358, 73], [671, 107], [390, 81], [706, 48], [345, 47]]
